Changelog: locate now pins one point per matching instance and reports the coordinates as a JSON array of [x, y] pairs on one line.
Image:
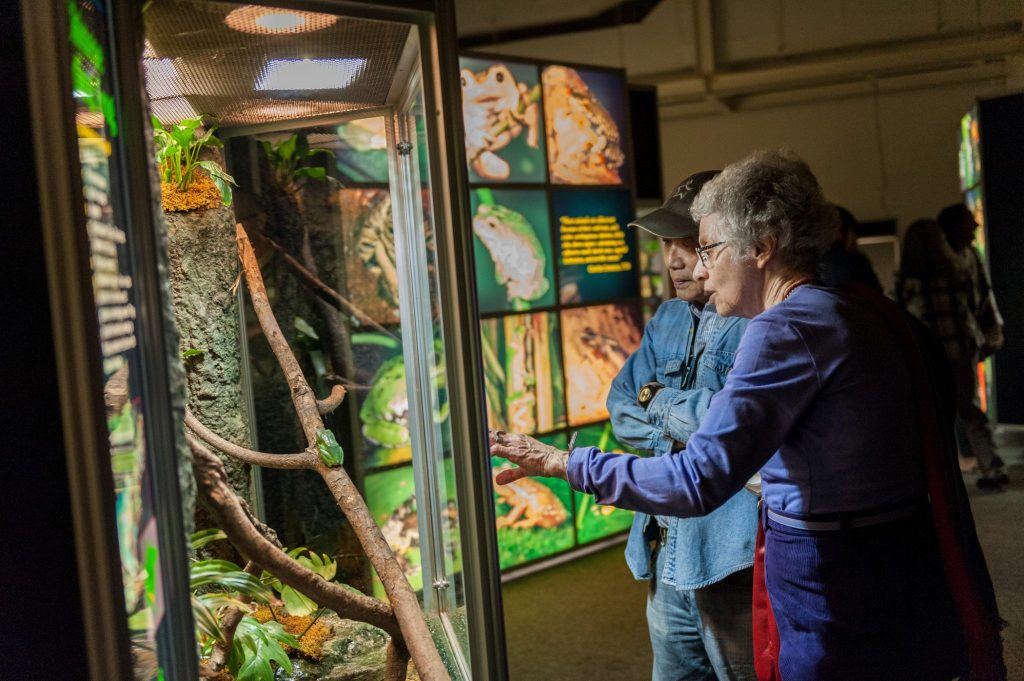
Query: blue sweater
[[818, 399]]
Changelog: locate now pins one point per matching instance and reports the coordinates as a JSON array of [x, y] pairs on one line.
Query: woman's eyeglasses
[[703, 251]]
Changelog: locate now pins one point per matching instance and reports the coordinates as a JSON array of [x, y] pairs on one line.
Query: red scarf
[[766, 634]]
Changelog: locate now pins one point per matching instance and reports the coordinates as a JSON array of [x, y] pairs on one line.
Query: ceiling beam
[[625, 12]]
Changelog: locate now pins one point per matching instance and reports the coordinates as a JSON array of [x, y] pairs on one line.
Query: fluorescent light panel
[[309, 74]]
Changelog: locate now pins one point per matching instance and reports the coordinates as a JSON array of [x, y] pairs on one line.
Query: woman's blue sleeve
[[773, 380]]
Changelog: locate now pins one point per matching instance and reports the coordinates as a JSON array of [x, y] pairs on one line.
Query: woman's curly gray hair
[[770, 195]]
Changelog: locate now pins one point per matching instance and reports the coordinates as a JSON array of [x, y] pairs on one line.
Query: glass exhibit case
[[991, 140], [273, 231]]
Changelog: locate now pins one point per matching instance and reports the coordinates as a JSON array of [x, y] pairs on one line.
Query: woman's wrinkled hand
[[532, 457]]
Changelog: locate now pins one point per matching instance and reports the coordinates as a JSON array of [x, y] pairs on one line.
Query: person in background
[[942, 283], [698, 606], [870, 556], [842, 263]]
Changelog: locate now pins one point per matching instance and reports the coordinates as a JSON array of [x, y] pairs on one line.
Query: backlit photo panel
[[585, 117], [597, 258], [596, 342], [501, 112], [512, 249]]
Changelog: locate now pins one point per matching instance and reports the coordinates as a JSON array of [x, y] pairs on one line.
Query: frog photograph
[[584, 113], [596, 342], [361, 151], [501, 113], [369, 247], [512, 250], [534, 517], [384, 407], [522, 373]]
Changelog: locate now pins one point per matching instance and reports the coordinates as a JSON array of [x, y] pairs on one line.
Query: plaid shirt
[[949, 305]]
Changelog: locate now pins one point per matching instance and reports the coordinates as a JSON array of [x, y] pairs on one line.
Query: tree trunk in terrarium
[[204, 273]]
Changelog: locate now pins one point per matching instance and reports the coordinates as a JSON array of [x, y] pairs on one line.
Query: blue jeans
[[701, 635]]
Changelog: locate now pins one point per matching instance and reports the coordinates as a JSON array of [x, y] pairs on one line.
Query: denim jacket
[[699, 551]]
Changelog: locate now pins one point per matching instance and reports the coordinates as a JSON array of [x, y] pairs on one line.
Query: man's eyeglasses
[[703, 251]]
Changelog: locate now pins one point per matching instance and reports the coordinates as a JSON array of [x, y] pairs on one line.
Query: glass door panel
[[323, 121], [433, 457]]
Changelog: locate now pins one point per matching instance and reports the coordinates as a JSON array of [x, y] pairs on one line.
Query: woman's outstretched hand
[[532, 457]]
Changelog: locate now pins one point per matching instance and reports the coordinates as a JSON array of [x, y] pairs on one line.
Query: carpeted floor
[[584, 621]]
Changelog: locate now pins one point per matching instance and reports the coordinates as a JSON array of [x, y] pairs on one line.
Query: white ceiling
[[708, 51], [742, 30]]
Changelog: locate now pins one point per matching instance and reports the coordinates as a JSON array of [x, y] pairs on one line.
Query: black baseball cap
[[672, 220]]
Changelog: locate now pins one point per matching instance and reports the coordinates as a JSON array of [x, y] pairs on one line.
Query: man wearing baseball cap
[[698, 606]]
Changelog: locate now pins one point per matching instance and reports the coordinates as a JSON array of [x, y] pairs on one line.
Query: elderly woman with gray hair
[[871, 562]]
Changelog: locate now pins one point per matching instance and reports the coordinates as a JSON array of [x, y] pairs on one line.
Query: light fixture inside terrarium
[[271, 21], [309, 74], [249, 65]]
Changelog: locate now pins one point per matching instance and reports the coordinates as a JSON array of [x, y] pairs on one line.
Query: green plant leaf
[[220, 178], [298, 604], [305, 328], [286, 149], [204, 537], [313, 173], [256, 646], [207, 140], [206, 622], [228, 575], [301, 146], [219, 599]]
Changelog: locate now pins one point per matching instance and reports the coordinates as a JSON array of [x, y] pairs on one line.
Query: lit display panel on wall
[[970, 151], [557, 276]]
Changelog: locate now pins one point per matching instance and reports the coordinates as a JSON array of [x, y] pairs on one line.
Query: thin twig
[[212, 483], [319, 613], [301, 460], [323, 290], [332, 401]]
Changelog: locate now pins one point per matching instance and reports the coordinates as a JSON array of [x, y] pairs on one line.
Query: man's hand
[[532, 457]]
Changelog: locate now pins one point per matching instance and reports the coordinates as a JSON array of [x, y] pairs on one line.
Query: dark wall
[[643, 114], [1002, 154], [41, 629]]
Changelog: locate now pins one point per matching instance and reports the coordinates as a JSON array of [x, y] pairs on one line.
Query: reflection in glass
[[597, 258], [116, 303], [534, 515]]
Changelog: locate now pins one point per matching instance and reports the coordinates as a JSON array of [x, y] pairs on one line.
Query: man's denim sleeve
[[676, 414], [629, 419]]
